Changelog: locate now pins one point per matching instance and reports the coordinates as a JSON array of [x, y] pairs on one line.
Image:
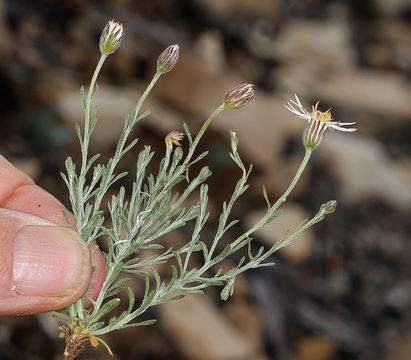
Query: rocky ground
[[343, 292]]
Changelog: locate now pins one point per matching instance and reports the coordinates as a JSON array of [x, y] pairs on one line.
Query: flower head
[[317, 122], [174, 138], [168, 59], [111, 36], [238, 96]]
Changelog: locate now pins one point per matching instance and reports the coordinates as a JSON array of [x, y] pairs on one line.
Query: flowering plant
[[154, 209]]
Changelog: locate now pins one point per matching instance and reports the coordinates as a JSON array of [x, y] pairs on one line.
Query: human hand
[[44, 266]]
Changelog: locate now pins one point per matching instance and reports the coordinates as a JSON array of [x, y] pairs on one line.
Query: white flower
[[324, 117], [317, 122]]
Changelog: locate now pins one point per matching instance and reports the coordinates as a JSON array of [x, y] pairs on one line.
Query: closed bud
[[238, 96], [110, 38], [168, 59], [330, 206]]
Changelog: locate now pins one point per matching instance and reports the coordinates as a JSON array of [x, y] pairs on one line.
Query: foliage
[[152, 209]]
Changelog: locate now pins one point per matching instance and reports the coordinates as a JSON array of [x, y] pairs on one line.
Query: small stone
[[247, 319], [400, 351], [315, 348], [393, 7], [210, 48], [328, 44], [202, 332], [365, 170], [242, 8]]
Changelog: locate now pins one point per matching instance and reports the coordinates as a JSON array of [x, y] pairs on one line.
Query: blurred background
[[343, 292]]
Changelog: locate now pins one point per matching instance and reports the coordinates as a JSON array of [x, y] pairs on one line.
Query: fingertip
[[50, 267], [49, 261]]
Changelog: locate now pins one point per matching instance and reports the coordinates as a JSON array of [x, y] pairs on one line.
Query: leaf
[[143, 323], [228, 289], [78, 132], [242, 261], [211, 281], [67, 219], [83, 96], [176, 297], [61, 318], [142, 116], [264, 265], [250, 255], [179, 261], [113, 292], [147, 286], [187, 131], [266, 197], [175, 274], [153, 246], [201, 156], [107, 307], [204, 248], [195, 291], [131, 299], [156, 277], [96, 326], [105, 345], [232, 223]]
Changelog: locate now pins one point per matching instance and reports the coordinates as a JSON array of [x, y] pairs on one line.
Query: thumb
[[43, 266]]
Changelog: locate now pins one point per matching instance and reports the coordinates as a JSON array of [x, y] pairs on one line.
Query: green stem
[[297, 176], [283, 198], [201, 132], [147, 91], [86, 137], [84, 152]]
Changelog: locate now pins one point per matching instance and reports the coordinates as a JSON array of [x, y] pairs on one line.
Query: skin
[[44, 266]]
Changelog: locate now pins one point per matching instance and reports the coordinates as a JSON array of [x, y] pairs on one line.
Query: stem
[[283, 198], [201, 132], [297, 176], [146, 92], [86, 137], [84, 152]]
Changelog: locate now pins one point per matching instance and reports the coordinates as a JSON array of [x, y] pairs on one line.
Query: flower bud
[[110, 38], [330, 206], [238, 96], [168, 59]]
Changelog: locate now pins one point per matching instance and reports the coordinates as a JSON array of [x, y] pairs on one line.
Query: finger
[[43, 266], [18, 192]]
